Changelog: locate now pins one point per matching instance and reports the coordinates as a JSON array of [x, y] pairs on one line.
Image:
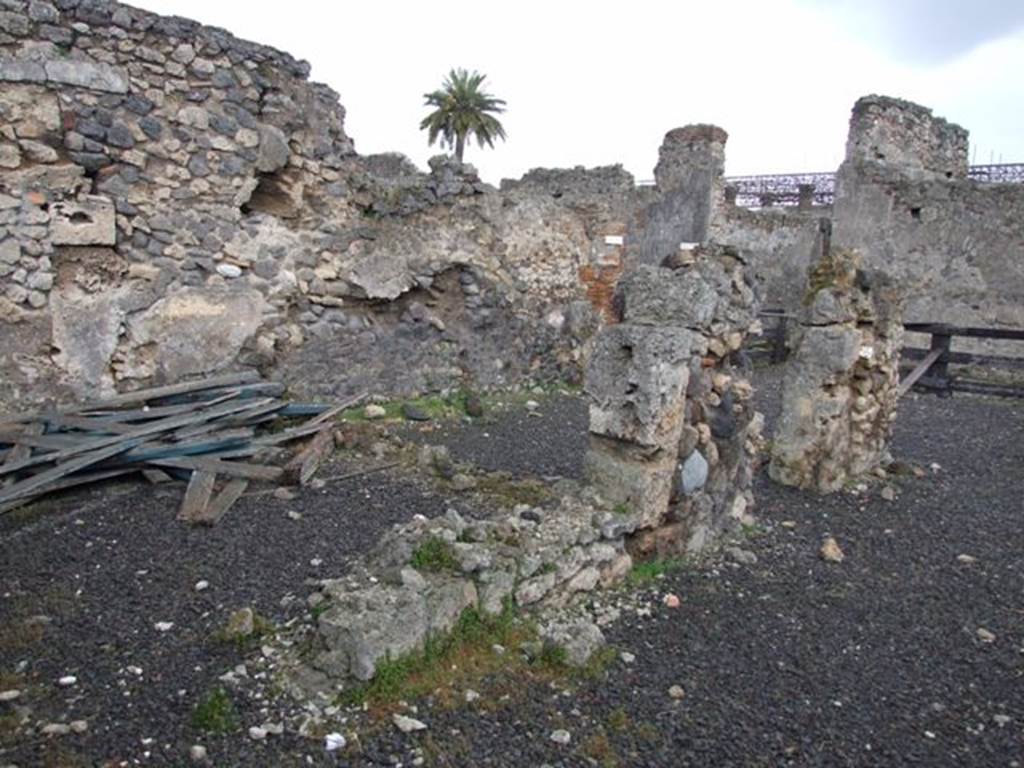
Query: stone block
[[22, 71], [636, 381], [668, 297], [89, 221], [273, 151], [642, 485], [365, 626], [87, 74]]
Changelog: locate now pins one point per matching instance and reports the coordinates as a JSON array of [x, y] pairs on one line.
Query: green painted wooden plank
[[144, 430]]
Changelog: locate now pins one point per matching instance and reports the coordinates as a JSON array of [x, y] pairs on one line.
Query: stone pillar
[[840, 390], [672, 431], [689, 173]]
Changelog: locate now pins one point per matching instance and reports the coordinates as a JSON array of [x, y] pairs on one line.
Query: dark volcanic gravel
[[84, 588], [549, 442], [789, 661]]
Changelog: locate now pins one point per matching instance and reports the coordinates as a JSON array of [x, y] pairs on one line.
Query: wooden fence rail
[[932, 370]]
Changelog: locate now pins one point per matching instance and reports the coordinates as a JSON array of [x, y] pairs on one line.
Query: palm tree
[[461, 110]]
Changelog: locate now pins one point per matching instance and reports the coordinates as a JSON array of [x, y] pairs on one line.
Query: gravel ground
[[787, 661], [84, 586], [549, 441]]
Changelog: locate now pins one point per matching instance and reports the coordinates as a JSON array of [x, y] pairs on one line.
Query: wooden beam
[[922, 368], [31, 485], [84, 478], [143, 395], [156, 476], [20, 452], [222, 502], [307, 461], [197, 495], [129, 438], [230, 468], [968, 358], [1015, 334]]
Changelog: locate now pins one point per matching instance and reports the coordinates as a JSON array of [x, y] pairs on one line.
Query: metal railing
[[818, 189]]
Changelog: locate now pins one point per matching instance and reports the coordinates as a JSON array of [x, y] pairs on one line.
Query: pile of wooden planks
[[218, 434]]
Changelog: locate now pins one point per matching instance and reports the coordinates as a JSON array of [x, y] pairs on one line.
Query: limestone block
[[196, 330], [87, 74], [368, 625], [667, 297], [86, 327], [446, 600], [22, 71], [636, 380], [642, 486], [89, 221]]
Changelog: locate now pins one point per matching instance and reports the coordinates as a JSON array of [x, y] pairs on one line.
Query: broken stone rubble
[[387, 608]]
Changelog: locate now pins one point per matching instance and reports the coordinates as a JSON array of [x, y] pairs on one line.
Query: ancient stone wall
[[841, 387], [778, 243], [174, 201], [903, 200], [688, 177], [672, 431]]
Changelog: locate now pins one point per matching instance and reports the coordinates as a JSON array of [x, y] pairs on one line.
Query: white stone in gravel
[[627, 657], [197, 753], [291, 514], [67, 681], [888, 493], [741, 556], [284, 494], [274, 729], [499, 650], [966, 559], [79, 726], [10, 695], [229, 270], [316, 562], [137, 671], [407, 724], [201, 585], [163, 626], [374, 411], [55, 729], [333, 742], [1001, 720], [676, 692], [560, 736], [472, 696], [985, 635], [831, 551], [257, 733]]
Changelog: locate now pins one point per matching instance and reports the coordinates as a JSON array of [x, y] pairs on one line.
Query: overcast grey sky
[[598, 83]]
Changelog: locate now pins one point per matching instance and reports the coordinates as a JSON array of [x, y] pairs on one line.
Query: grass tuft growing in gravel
[[215, 713], [434, 554], [645, 573]]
